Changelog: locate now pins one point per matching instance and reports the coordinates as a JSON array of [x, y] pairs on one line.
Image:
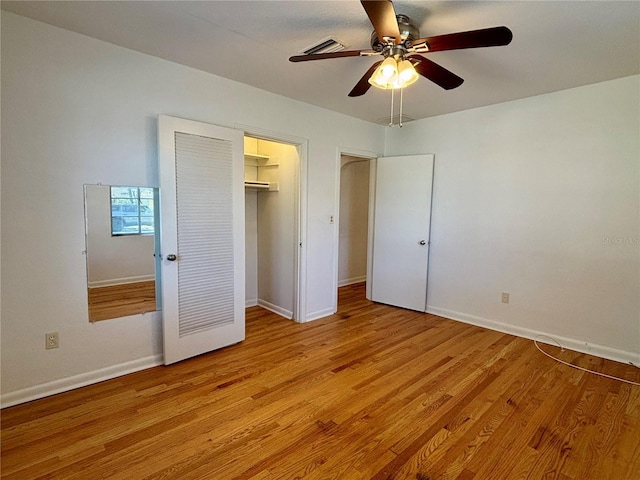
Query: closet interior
[[271, 198]]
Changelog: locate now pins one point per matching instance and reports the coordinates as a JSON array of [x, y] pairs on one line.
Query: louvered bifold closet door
[[205, 232], [202, 209]]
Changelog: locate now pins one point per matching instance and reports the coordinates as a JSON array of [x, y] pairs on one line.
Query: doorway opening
[[354, 229], [272, 206]]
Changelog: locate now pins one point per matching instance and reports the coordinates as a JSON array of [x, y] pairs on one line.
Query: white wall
[[354, 212], [80, 111], [539, 198], [251, 247], [113, 260]]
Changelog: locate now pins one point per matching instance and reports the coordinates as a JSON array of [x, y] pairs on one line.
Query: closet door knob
[[171, 257], [422, 242]]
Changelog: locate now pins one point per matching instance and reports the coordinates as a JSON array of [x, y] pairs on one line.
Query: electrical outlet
[[505, 297], [51, 340]]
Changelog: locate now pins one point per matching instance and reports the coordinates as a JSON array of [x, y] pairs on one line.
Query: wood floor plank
[[115, 301], [372, 392]]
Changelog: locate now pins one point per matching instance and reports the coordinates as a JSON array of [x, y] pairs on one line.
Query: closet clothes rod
[[256, 185]]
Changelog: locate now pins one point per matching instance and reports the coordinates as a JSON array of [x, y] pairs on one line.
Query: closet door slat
[[205, 232]]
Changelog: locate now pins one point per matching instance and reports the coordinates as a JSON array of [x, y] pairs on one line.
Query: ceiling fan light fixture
[[393, 74], [406, 73], [377, 79], [398, 40], [389, 68]]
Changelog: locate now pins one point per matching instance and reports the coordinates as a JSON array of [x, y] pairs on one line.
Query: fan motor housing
[[408, 33]]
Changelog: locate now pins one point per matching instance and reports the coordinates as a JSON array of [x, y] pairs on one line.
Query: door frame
[[300, 221], [372, 158]]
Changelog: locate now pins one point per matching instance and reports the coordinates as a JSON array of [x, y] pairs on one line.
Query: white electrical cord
[[575, 366]]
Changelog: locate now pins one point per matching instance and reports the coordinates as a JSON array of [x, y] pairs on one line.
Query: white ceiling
[[556, 45]]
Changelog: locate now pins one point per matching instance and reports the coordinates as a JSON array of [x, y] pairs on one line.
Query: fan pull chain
[[400, 116], [400, 108], [391, 118]]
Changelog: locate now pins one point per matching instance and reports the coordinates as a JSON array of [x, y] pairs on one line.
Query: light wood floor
[[117, 301], [372, 392]]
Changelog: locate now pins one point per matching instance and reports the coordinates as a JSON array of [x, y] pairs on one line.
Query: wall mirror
[[121, 227]]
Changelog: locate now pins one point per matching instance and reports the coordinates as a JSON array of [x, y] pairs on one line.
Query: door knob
[[171, 257], [422, 242]]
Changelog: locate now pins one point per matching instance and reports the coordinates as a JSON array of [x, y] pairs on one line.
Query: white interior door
[[202, 235], [402, 220]]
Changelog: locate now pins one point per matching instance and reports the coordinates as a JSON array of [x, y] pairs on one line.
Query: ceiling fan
[[399, 42]]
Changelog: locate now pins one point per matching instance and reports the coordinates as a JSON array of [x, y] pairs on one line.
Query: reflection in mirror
[[121, 238]]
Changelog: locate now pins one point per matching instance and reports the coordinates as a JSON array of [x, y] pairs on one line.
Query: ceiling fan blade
[[322, 56], [383, 18], [434, 72], [363, 84], [487, 37]]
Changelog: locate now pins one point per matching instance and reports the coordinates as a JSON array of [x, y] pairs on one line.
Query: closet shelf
[[259, 174], [257, 160], [256, 157]]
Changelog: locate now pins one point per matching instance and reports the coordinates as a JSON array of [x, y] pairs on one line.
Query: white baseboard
[[120, 281], [252, 302], [84, 379], [569, 343], [275, 309], [65, 384], [318, 314], [351, 281]]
